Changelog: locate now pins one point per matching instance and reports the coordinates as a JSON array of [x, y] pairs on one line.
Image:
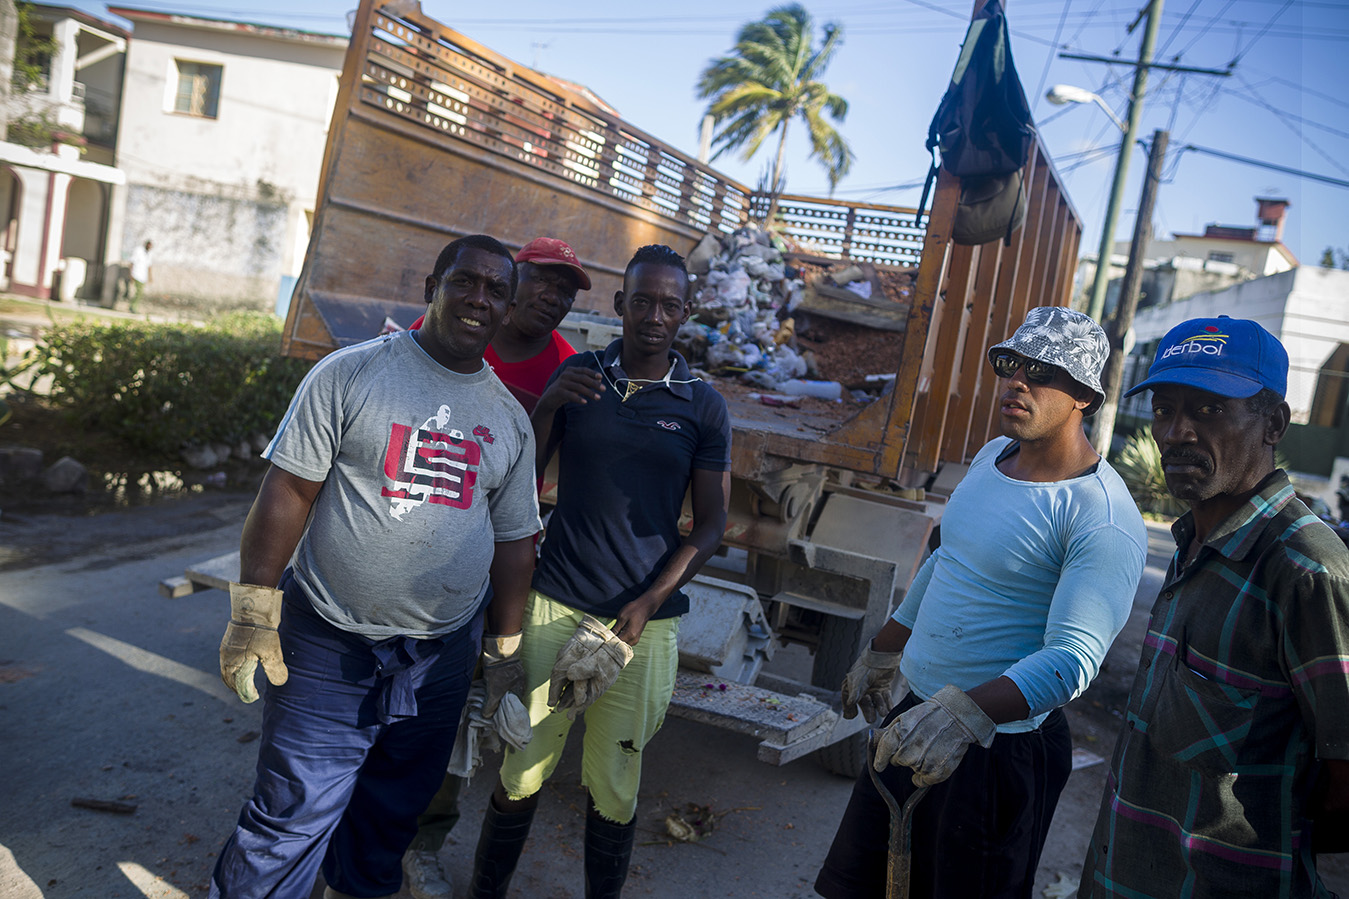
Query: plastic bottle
[[825, 390]]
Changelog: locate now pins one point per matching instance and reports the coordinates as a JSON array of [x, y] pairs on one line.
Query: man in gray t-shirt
[[402, 484]]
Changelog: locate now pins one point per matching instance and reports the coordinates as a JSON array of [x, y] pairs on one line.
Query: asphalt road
[[108, 691]]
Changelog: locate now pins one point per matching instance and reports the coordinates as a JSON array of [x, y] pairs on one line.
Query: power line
[[1049, 58], [1236, 59], [1282, 117], [1301, 120], [1311, 176], [1339, 101], [951, 12], [1177, 30]]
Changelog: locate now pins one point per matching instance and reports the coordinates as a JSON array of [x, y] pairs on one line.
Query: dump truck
[[832, 505]]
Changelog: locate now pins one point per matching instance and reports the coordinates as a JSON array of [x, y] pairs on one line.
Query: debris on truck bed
[[790, 324]]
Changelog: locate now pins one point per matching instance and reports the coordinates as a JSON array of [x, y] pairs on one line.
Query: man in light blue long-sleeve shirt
[[1042, 549]]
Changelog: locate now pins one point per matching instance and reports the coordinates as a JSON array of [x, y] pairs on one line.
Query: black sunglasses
[[1037, 372]]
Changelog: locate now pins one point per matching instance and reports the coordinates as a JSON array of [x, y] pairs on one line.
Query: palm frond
[[770, 76]]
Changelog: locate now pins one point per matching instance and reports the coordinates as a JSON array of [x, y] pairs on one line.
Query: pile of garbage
[[742, 323], [755, 299]]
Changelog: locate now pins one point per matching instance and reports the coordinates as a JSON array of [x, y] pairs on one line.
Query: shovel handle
[[899, 860]]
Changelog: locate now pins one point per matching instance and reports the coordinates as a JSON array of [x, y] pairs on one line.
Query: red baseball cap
[[551, 251]]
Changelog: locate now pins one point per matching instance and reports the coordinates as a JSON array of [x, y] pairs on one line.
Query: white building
[[1306, 308], [223, 126], [58, 162], [1193, 263]]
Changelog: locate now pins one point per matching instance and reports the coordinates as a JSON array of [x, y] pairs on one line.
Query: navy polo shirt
[[624, 468]]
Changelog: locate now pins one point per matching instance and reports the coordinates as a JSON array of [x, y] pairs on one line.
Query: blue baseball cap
[[1232, 357]]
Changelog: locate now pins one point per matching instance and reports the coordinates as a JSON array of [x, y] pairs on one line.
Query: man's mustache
[[1185, 457]]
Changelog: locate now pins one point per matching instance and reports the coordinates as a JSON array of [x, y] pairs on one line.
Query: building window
[[1215, 256], [198, 89]]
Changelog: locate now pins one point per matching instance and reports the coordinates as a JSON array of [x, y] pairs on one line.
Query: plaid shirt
[[1243, 684]]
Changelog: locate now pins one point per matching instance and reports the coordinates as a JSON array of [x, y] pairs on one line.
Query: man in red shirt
[[527, 347], [524, 353]]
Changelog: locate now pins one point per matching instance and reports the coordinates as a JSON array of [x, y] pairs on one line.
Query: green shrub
[[161, 387], [1140, 465]]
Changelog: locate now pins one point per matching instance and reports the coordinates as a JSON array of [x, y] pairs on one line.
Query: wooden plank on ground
[[175, 587], [219, 572]]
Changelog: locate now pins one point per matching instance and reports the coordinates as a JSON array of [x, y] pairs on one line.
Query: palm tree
[[770, 78]]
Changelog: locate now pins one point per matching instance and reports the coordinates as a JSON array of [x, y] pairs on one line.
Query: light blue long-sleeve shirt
[[1032, 580]]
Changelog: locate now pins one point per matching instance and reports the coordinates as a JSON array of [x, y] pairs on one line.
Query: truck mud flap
[[788, 727]]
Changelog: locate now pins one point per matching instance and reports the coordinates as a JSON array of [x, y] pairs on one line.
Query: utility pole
[[1096, 306], [1103, 425]]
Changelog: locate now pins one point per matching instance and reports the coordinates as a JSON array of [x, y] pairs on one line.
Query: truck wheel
[[846, 758], [840, 643]]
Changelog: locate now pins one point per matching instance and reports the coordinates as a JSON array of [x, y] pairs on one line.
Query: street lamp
[[1063, 94]]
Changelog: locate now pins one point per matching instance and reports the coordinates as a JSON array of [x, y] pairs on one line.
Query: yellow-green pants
[[618, 725]]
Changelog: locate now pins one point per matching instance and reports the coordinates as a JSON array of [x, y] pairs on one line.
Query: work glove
[[511, 722], [502, 669], [931, 738], [586, 666], [869, 684], [250, 638]]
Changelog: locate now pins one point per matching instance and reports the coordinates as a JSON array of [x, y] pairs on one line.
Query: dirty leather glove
[[502, 669], [869, 684], [250, 638], [931, 738], [586, 666], [511, 722]]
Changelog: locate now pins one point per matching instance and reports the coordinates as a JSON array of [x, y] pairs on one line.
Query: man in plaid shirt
[[1235, 750]]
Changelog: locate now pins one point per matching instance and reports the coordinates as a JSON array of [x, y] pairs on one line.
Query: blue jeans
[[353, 747]]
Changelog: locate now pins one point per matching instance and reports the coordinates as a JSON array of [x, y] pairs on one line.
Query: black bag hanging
[[983, 130]]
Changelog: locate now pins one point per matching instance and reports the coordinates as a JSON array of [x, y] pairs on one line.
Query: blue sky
[[1284, 102]]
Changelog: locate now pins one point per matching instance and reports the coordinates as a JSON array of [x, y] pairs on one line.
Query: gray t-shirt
[[423, 470]]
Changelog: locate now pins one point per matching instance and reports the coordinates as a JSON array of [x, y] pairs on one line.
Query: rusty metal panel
[[945, 360], [924, 319], [1067, 251], [986, 397], [1051, 225], [1024, 288], [973, 370], [1001, 321]]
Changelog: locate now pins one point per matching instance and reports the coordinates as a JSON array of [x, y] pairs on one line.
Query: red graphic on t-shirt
[[485, 433], [429, 465]]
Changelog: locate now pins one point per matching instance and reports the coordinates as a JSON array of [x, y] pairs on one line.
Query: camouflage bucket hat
[[1065, 338]]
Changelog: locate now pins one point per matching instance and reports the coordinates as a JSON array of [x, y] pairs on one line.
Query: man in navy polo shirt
[[634, 430]]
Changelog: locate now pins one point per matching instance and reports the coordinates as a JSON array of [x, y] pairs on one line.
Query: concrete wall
[[209, 247], [223, 199], [1191, 269], [1258, 258], [1306, 308]]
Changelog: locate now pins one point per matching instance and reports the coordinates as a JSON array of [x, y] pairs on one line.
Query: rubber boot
[[503, 837], [608, 848]]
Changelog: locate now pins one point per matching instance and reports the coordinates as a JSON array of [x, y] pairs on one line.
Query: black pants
[[977, 835]]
